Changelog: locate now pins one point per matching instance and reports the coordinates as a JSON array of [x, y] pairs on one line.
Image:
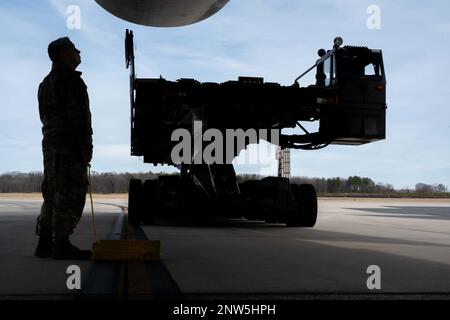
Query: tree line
[[107, 183], [337, 185], [364, 185], [103, 183]]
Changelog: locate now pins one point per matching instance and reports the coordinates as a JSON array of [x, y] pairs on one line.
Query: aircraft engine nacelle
[[163, 13]]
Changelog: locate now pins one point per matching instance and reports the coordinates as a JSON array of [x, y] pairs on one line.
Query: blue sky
[[274, 39]]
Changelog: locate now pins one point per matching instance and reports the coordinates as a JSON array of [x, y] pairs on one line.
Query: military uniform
[[67, 148]]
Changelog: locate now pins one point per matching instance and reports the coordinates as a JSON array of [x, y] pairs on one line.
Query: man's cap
[[59, 46]]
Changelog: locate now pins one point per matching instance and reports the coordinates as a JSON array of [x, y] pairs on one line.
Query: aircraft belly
[[163, 13]]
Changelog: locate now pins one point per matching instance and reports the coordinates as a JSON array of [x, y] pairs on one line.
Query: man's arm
[[79, 116]]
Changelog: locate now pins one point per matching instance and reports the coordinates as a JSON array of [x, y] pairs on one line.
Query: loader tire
[[306, 198]]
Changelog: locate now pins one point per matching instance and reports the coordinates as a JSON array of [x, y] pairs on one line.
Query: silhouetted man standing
[[67, 148]]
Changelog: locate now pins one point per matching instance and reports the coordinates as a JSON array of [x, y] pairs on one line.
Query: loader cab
[[357, 72], [356, 77]]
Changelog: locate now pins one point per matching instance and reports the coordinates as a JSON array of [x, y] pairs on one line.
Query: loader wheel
[[135, 202], [151, 196], [306, 197]]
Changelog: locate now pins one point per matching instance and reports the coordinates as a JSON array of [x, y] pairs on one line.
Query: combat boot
[[44, 247], [64, 250]]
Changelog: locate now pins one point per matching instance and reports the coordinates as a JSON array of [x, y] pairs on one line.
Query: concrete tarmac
[[408, 239], [22, 276]]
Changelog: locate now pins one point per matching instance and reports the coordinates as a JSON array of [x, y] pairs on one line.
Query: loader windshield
[[329, 68], [361, 63]]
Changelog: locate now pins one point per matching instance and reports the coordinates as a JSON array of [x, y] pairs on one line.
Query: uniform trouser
[[64, 190]]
